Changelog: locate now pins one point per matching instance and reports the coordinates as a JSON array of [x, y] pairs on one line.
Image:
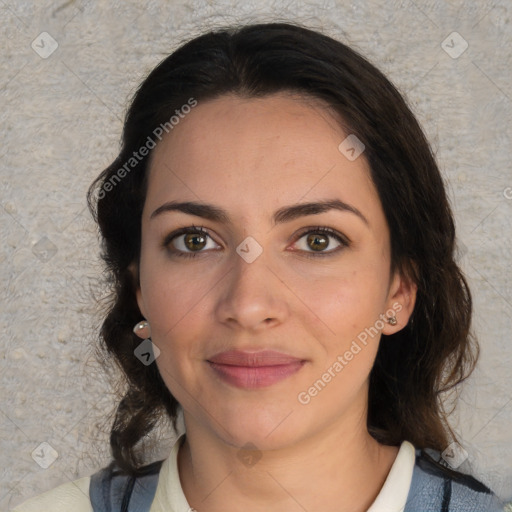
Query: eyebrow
[[284, 214]]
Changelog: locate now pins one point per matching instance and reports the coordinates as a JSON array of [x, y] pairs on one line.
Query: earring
[[142, 330], [392, 320]]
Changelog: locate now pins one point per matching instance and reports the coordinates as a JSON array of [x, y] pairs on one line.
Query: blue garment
[[112, 491], [434, 488]]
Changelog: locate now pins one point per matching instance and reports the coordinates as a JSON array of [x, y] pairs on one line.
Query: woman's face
[[261, 276]]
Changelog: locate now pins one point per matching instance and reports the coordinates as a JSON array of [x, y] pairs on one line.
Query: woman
[[282, 254]]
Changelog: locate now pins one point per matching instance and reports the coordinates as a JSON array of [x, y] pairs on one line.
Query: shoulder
[[104, 490], [69, 496], [436, 487], [110, 487]]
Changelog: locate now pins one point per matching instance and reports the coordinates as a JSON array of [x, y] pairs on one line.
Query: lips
[[253, 370], [253, 359]]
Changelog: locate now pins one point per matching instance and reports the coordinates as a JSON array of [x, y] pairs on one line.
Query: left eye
[[316, 240]]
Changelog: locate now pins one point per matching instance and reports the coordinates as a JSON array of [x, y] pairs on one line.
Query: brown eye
[[319, 239], [188, 242], [318, 242], [194, 241]]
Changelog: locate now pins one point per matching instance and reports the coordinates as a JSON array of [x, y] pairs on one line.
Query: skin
[[252, 157]]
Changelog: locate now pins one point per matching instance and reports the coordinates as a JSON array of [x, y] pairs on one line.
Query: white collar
[[169, 496], [393, 495]]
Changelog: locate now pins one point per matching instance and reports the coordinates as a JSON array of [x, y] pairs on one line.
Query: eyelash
[[344, 242]]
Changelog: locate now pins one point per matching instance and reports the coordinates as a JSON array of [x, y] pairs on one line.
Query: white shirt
[[169, 496]]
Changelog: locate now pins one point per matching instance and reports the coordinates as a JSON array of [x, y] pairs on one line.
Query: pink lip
[[254, 369]]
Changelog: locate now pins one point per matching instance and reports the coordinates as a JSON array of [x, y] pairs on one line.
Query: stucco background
[[61, 118]]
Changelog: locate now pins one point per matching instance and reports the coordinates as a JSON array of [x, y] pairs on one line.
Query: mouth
[[253, 370]]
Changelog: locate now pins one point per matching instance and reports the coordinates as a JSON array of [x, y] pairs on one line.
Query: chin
[[263, 432]]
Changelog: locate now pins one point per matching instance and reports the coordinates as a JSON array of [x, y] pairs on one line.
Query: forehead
[[249, 152]]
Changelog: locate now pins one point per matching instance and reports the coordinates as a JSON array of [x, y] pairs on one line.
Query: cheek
[[350, 301], [171, 303], [168, 291], [350, 306], [177, 303], [176, 307]]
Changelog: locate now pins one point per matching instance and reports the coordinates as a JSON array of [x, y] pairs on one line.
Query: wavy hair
[[432, 354]]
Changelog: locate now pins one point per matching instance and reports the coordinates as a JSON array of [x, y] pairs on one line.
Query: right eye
[[187, 242]]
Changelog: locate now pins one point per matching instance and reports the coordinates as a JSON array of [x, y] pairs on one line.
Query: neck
[[340, 469]]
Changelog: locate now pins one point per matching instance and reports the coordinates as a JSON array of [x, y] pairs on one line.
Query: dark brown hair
[[432, 354]]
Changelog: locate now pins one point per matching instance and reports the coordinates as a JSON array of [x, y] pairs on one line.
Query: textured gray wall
[[61, 118]]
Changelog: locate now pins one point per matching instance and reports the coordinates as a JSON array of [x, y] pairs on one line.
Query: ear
[[134, 271], [401, 301]]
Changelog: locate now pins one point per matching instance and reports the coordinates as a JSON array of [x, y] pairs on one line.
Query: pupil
[[316, 238], [190, 240]]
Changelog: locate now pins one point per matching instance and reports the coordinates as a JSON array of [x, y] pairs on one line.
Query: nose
[[252, 296]]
